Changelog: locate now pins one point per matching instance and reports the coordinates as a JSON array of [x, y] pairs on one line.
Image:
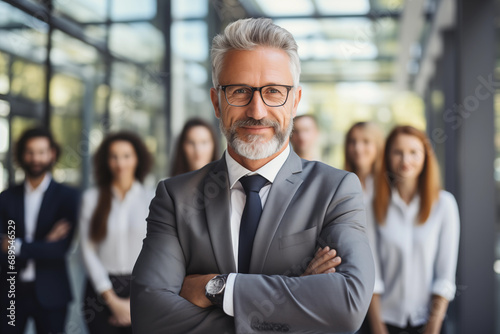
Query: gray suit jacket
[[309, 205]]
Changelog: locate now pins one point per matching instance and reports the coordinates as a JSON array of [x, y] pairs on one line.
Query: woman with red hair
[[414, 231]]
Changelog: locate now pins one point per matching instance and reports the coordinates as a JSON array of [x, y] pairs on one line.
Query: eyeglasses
[[241, 95]]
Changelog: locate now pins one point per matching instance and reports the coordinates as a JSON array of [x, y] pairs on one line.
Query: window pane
[[196, 33], [78, 70], [4, 73], [139, 42], [22, 35], [286, 7], [190, 71], [28, 80], [133, 9], [66, 124], [82, 10], [182, 9], [71, 53]]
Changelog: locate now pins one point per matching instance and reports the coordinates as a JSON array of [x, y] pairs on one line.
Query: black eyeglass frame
[[254, 89]]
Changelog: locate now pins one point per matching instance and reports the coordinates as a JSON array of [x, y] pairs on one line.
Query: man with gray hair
[[247, 244]]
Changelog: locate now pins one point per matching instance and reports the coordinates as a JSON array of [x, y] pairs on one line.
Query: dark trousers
[[97, 313], [365, 328], [407, 330], [27, 306]]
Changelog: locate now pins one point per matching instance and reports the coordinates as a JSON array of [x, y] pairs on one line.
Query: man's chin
[[35, 173], [256, 149]]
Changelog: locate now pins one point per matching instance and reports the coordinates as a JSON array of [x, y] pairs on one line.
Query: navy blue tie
[[249, 219]]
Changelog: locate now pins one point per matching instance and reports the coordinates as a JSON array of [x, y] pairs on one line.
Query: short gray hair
[[247, 34]]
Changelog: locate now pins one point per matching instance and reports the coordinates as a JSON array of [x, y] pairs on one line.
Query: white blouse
[[117, 253], [368, 191], [414, 261]]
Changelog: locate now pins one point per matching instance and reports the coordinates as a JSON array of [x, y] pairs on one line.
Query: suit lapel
[[217, 208], [18, 204], [282, 191], [45, 206]]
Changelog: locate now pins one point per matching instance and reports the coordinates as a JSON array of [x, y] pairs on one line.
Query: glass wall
[[192, 21], [23, 51], [98, 67]]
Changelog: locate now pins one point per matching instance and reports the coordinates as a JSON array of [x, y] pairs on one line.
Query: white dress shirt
[[368, 191], [33, 198], [117, 253], [414, 261], [238, 199]]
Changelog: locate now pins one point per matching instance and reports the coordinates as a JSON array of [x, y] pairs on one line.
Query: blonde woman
[[363, 147]]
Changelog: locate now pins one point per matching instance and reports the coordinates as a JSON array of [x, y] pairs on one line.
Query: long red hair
[[429, 183]]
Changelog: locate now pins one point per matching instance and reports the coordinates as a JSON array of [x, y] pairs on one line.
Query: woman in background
[[196, 147], [363, 147], [112, 227], [414, 233]]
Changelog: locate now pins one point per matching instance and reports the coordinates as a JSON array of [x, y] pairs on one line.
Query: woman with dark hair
[[112, 227], [414, 234], [196, 147]]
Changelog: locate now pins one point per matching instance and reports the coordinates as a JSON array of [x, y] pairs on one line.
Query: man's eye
[[241, 91]]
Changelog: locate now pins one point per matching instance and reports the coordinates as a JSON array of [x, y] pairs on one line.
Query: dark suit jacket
[[309, 205], [59, 201]]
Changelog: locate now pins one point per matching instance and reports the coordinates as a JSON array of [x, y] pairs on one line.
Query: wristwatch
[[214, 290]]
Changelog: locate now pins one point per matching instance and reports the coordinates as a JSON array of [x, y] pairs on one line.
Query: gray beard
[[255, 147]]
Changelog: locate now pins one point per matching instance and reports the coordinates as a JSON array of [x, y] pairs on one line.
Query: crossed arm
[[164, 299], [54, 245], [193, 287]]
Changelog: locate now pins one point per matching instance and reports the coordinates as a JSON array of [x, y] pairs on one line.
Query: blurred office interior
[[87, 67]]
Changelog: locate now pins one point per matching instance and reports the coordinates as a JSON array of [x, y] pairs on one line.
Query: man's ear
[[53, 153], [296, 100], [215, 101]]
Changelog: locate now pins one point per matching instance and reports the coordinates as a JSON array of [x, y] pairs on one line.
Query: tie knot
[[253, 183]]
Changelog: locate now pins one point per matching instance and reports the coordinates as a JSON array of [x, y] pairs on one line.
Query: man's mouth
[[256, 129]]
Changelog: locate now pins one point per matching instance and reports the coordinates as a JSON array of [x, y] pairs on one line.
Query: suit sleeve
[[41, 249], [445, 265], [3, 228], [159, 272], [325, 303]]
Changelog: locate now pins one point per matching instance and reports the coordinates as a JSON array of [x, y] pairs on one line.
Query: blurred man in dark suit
[[37, 221]]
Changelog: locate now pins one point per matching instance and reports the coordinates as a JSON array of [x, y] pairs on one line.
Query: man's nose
[[257, 109]]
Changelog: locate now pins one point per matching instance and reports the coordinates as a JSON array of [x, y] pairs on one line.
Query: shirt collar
[[269, 170], [398, 201], [136, 185], [369, 185], [42, 187]]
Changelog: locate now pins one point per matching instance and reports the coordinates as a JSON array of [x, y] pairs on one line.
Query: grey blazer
[[309, 205]]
